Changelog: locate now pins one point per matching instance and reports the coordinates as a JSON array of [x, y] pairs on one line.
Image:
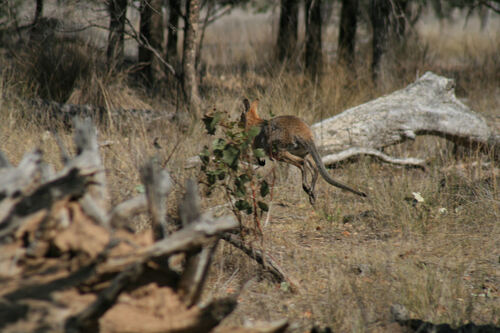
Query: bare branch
[[127, 209], [345, 154], [265, 260]]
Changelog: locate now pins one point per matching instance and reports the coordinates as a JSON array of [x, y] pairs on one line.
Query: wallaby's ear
[[253, 107], [246, 103]]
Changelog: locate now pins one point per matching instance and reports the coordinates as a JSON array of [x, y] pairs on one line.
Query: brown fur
[[289, 139]]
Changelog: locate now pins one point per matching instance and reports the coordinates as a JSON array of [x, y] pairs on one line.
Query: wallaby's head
[[250, 117]]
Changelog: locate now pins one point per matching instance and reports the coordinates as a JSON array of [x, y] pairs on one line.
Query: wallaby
[[289, 139]]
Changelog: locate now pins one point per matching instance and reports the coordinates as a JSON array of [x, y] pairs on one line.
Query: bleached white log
[[427, 106]]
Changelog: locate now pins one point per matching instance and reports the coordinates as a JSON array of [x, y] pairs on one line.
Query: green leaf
[[243, 205], [252, 133], [204, 155], [264, 188], [218, 153], [285, 286], [263, 206], [211, 179], [239, 183], [244, 178], [211, 122], [259, 153], [140, 188], [219, 143], [230, 156]]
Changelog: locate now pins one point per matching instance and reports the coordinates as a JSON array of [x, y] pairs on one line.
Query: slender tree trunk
[[189, 77], [152, 36], [398, 19], [313, 54], [379, 16], [347, 31], [117, 11], [288, 29], [173, 29], [38, 11], [145, 55]]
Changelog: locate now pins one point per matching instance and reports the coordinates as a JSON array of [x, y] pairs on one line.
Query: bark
[[313, 52], [379, 17], [198, 260], [151, 34], [158, 185], [288, 29], [347, 31], [399, 20], [426, 107], [173, 31], [117, 16], [189, 77], [38, 11]]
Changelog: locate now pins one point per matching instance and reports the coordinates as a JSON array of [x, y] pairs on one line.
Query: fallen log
[[65, 112], [426, 107]]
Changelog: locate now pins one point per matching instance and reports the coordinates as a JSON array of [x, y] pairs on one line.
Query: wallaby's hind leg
[[314, 177], [300, 163]]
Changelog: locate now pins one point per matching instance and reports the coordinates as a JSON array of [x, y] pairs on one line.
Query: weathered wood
[[18, 180], [88, 319], [350, 152], [70, 184], [88, 156], [197, 260], [197, 234], [4, 161], [66, 270], [158, 186], [123, 211], [427, 106], [189, 212], [195, 273], [189, 207]]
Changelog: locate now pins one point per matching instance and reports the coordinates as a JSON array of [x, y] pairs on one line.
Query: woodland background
[[160, 65]]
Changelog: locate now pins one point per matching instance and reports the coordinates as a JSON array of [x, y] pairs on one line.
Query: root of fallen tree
[[68, 264]]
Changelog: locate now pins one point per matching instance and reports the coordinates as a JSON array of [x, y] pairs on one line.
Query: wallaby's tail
[[322, 170]]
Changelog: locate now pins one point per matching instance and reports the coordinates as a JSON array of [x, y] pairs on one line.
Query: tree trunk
[[38, 11], [426, 107], [313, 54], [347, 31], [145, 54], [288, 27], [189, 77], [152, 36], [398, 19], [379, 16], [173, 30], [117, 11]]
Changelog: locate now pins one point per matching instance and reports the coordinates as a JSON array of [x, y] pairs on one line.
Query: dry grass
[[353, 258]]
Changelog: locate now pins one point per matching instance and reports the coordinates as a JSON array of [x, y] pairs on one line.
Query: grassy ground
[[352, 257]]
